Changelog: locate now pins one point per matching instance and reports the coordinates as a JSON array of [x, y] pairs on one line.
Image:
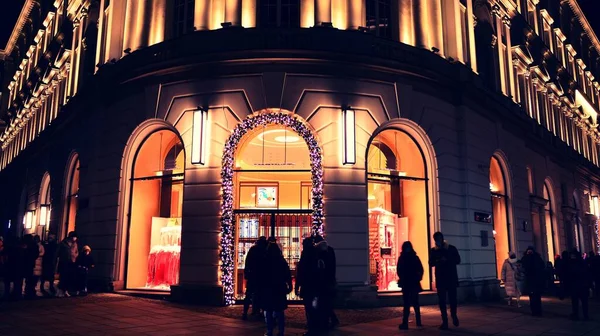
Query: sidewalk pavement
[[112, 314]]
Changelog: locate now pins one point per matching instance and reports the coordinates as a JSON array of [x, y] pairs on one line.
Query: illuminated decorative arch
[[257, 120]]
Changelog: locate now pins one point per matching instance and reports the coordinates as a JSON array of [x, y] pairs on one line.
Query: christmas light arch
[[299, 126]]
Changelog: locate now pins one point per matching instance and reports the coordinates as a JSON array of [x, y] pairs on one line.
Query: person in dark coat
[[254, 257], [444, 257], [325, 283], [49, 266], [561, 272], [410, 274], [535, 280], [85, 262], [32, 252], [595, 273], [15, 258], [275, 283], [578, 284], [305, 288], [549, 275], [67, 267]]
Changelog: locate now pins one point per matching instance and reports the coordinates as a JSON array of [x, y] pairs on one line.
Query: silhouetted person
[[444, 257], [85, 262], [49, 265], [560, 267], [549, 274], [255, 256], [32, 253], [595, 273], [533, 266], [410, 274], [305, 286], [510, 277], [67, 267], [15, 267], [275, 283], [578, 283], [325, 283]]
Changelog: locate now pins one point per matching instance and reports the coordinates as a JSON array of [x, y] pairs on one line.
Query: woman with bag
[[410, 274], [510, 277]]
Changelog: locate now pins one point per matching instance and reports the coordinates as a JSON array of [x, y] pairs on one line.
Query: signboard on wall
[[483, 217]]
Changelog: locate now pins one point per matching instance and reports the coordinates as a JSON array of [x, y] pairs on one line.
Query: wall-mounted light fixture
[[29, 219], [349, 124], [44, 214], [596, 206], [199, 127]]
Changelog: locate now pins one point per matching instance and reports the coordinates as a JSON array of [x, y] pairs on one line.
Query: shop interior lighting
[[349, 123], [199, 136], [44, 214], [29, 219]]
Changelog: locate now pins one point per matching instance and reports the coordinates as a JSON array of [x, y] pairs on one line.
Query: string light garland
[[227, 254]]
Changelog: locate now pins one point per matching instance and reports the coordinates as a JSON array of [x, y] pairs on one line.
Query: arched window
[[379, 15], [500, 201], [279, 13], [71, 197], [154, 239], [398, 205], [551, 232]]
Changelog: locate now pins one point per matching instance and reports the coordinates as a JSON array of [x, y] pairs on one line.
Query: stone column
[[322, 12], [202, 14], [157, 26], [136, 25], [428, 24], [233, 12], [406, 25], [307, 13], [356, 14]]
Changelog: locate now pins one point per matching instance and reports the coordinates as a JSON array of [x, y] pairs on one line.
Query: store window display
[[398, 205], [551, 238], [502, 232], [273, 194], [156, 204]]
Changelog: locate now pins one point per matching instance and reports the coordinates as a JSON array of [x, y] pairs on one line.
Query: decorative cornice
[[585, 24], [14, 36]]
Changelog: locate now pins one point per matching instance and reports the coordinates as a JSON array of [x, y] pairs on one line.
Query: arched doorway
[[398, 205], [156, 199], [71, 197], [500, 212], [272, 180], [44, 207], [550, 222]]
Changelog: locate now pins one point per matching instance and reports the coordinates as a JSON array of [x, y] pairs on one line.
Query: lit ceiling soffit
[[523, 54], [586, 107], [14, 36]]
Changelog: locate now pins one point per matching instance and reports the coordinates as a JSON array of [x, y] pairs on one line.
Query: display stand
[[164, 257]]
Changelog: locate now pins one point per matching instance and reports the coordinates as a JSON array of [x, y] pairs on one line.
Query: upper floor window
[[184, 17], [379, 14], [279, 13]]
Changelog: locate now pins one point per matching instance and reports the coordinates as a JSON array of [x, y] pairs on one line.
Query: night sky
[[8, 17]]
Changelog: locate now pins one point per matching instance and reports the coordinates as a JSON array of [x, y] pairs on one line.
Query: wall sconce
[[596, 206], [29, 219], [44, 214], [524, 226], [349, 121], [199, 136]]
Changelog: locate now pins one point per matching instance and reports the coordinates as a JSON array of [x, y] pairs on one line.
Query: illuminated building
[[171, 134]]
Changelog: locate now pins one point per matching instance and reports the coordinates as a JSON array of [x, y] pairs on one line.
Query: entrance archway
[[71, 196], [156, 199], [500, 212], [552, 247], [398, 200], [251, 135]]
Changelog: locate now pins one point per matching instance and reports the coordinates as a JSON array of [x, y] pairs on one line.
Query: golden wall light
[[596, 205], [349, 124], [44, 215], [29, 219], [199, 129]]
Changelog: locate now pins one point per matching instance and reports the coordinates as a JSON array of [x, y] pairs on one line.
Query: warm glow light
[[349, 124], [29, 220], [44, 215], [596, 205], [493, 187], [286, 139], [199, 136]]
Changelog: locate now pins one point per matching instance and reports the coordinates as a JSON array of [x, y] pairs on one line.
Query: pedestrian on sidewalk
[[67, 267], [444, 257], [32, 254], [595, 272], [533, 266], [49, 266], [15, 257], [255, 256], [578, 285], [410, 273], [275, 283], [37, 268], [561, 272], [511, 275], [305, 287], [85, 262], [549, 276], [325, 280]]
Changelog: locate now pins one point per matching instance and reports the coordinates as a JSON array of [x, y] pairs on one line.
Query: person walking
[[595, 273], [255, 256], [510, 277], [37, 268], [578, 283], [49, 266], [561, 272], [444, 257], [305, 287], [325, 283], [275, 283], [32, 254], [85, 262], [533, 266], [15, 253], [67, 268], [410, 273]]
